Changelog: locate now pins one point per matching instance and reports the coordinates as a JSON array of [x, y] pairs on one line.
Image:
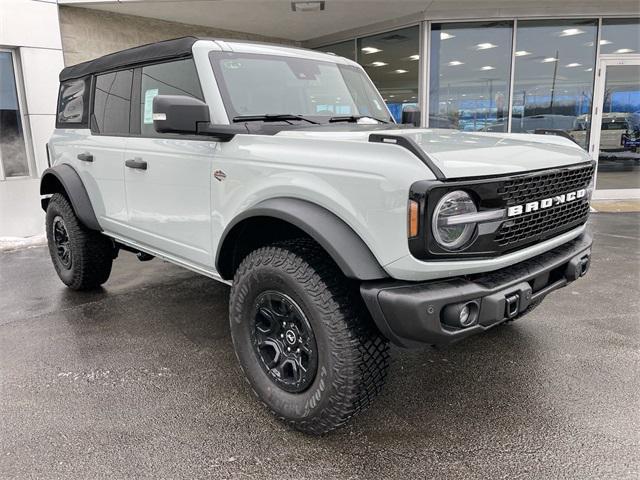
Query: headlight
[[448, 233]]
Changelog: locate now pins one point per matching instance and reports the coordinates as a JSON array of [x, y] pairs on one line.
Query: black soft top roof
[[178, 47]]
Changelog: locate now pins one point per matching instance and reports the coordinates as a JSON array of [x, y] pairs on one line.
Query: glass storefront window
[[343, 49], [469, 77], [620, 35], [392, 61], [13, 153], [553, 78]]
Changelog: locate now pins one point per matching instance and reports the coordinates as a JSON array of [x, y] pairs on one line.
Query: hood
[[469, 154]]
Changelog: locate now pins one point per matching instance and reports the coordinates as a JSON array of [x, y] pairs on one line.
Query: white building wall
[[31, 29]]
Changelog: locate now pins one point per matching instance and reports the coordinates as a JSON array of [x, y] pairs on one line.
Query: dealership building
[[569, 68]]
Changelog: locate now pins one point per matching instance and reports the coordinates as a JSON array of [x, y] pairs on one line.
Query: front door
[[168, 177], [615, 134], [168, 185]]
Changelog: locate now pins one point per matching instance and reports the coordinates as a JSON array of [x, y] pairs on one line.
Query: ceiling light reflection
[[569, 32]]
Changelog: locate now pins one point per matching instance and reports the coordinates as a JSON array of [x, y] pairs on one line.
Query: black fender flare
[[338, 239], [66, 177]]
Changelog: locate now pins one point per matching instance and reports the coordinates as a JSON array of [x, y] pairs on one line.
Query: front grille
[[545, 222], [528, 188]]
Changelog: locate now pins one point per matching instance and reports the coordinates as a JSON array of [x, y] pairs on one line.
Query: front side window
[[172, 78], [112, 103], [13, 153], [273, 85]]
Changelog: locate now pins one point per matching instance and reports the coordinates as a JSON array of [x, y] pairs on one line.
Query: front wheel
[[304, 338]]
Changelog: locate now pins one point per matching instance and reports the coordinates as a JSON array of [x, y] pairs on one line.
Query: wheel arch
[[65, 180], [282, 218]]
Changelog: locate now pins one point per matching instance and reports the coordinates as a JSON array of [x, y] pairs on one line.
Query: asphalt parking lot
[[140, 380]]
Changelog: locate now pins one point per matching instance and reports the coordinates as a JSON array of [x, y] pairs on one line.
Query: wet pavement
[[140, 380]]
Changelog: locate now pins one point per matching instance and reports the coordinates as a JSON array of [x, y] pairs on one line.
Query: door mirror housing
[[188, 115], [179, 114]]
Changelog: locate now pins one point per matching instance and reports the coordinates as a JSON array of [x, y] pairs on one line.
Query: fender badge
[[219, 175]]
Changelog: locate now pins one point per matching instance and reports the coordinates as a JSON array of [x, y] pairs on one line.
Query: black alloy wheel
[[283, 341], [61, 242]]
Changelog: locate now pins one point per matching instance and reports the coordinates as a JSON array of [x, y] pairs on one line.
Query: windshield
[[254, 85]]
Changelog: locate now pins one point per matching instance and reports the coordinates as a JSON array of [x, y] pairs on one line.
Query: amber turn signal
[[412, 218]]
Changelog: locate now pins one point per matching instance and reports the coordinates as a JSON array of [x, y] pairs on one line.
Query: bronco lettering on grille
[[546, 203]]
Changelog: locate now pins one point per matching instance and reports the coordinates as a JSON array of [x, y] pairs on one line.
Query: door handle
[[85, 157], [136, 163]]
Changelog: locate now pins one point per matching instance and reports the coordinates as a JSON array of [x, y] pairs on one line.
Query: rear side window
[[171, 78], [72, 104], [112, 103]]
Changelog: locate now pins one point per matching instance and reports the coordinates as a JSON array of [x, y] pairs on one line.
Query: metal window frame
[[425, 71], [512, 72], [24, 118], [604, 61]]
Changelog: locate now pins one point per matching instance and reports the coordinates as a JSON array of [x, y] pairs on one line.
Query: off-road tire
[[352, 356], [91, 253]]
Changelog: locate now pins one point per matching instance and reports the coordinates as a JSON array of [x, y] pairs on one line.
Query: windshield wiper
[[272, 117], [353, 118]]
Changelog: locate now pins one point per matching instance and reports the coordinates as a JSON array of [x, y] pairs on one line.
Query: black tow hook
[[512, 305], [578, 267]]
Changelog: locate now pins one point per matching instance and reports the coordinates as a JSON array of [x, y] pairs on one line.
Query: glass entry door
[[616, 127]]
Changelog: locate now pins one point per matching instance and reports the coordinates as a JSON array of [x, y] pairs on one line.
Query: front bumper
[[410, 314]]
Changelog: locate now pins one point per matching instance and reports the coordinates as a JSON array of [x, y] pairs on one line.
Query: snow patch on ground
[[16, 243]]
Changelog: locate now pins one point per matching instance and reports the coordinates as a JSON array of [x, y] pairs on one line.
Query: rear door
[[101, 161], [168, 176]]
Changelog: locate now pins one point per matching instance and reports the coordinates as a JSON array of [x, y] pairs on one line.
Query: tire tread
[[360, 353]]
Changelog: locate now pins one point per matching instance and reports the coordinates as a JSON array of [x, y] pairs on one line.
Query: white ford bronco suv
[[281, 172]]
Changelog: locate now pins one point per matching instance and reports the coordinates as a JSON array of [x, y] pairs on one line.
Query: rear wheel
[[82, 257], [304, 338]]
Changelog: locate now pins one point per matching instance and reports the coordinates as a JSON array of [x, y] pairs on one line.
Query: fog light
[[460, 315], [464, 316]]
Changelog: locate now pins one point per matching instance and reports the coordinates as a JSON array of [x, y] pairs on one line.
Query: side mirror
[[183, 114], [178, 114]]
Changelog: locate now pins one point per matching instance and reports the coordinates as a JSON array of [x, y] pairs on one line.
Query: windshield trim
[[320, 119]]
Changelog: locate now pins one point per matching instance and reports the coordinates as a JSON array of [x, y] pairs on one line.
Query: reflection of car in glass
[[547, 121], [535, 122], [280, 172], [441, 121], [618, 131]]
